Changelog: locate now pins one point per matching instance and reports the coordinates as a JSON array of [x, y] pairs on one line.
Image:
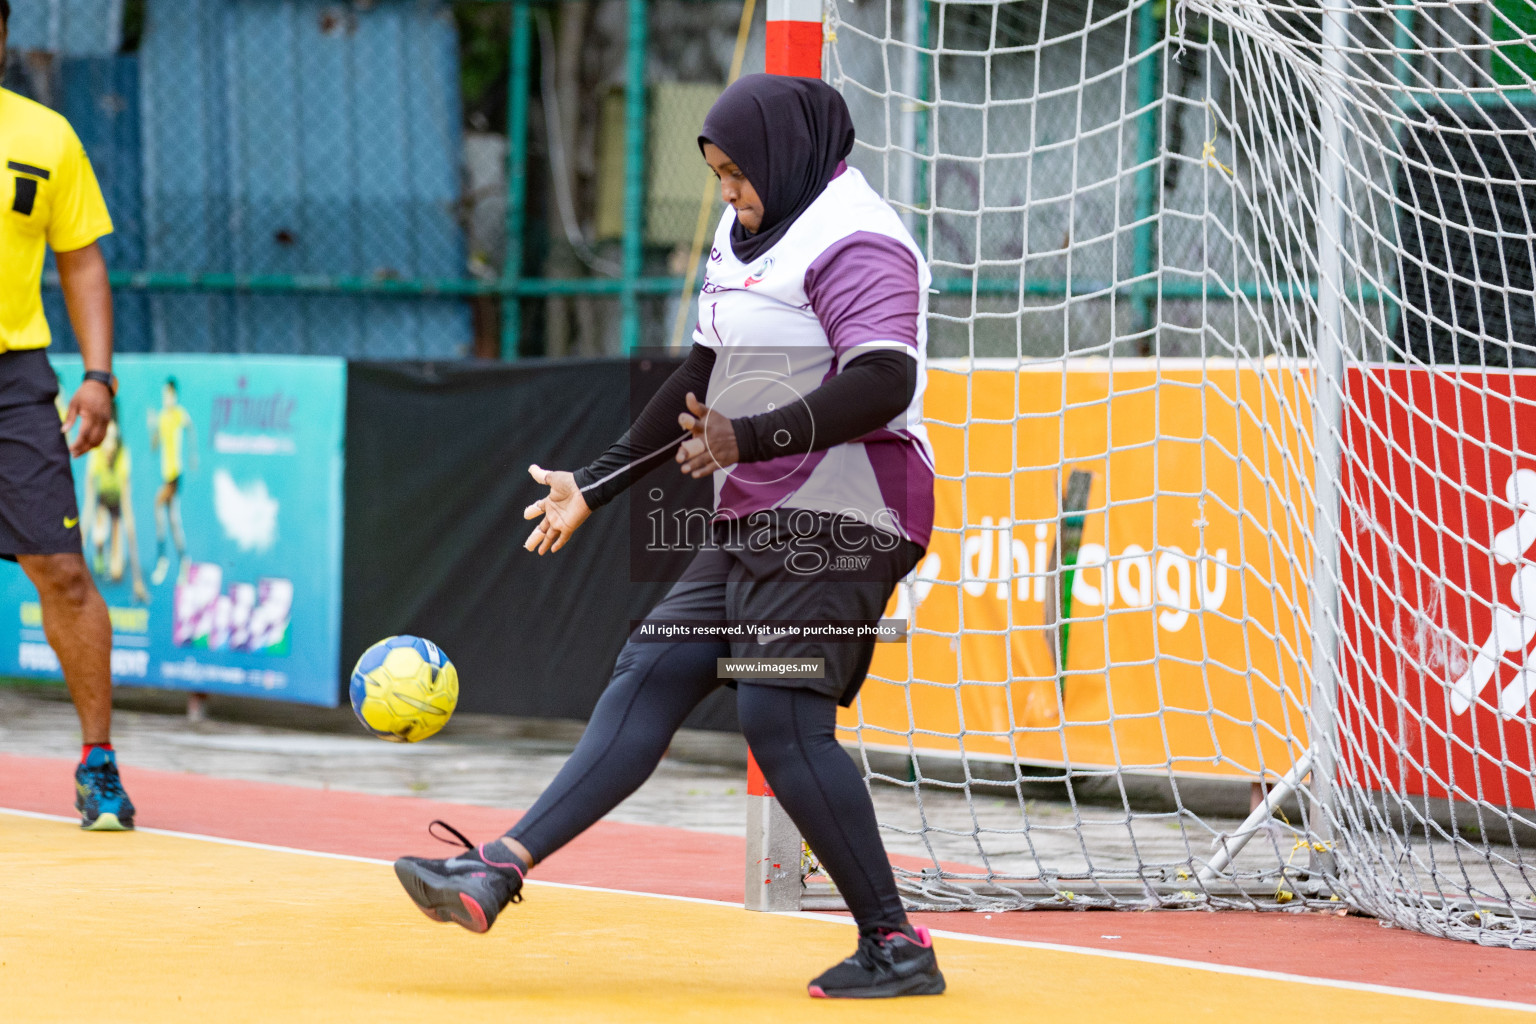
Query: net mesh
[[1231, 397]]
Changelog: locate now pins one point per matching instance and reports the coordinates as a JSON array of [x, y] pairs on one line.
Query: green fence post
[[924, 116], [1150, 120], [1402, 43], [517, 176], [634, 171]]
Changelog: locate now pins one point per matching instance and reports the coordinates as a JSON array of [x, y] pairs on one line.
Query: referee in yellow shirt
[[49, 198]]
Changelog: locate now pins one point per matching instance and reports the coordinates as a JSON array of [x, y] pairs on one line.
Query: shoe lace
[[104, 780], [874, 953], [455, 836]]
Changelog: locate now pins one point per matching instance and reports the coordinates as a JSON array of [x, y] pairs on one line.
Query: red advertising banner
[[1439, 584]]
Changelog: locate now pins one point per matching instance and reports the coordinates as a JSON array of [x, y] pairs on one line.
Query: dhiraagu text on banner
[[212, 520], [1186, 633]]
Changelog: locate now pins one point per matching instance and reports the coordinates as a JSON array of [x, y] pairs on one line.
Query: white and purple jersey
[[846, 279]]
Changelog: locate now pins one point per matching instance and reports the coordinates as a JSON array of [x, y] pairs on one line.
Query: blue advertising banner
[[212, 520]]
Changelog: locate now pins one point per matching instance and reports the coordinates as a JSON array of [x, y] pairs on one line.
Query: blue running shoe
[[99, 795]]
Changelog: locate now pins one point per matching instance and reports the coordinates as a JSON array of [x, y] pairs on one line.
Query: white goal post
[[1233, 392]]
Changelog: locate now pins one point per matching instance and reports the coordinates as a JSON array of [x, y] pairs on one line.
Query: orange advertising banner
[[1187, 621]]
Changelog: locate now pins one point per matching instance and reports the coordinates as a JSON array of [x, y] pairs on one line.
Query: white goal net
[[1233, 398]]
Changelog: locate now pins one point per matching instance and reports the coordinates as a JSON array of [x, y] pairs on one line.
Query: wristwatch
[[103, 377]]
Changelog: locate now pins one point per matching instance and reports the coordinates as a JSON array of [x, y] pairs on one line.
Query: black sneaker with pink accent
[[468, 889], [886, 964]]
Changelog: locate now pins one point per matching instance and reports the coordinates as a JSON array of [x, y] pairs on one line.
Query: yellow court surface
[[169, 928]]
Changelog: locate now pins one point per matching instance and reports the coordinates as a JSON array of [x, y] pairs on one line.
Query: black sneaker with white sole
[[885, 965], [467, 888]]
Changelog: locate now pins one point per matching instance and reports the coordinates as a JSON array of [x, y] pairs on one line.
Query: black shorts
[[814, 568], [38, 513]]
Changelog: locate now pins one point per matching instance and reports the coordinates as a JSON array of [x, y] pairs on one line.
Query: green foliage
[[133, 25], [1514, 64], [484, 34]]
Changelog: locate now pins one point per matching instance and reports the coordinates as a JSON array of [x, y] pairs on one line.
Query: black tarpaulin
[[436, 481]]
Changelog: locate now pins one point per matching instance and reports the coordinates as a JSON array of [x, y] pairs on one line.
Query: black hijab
[[787, 135]]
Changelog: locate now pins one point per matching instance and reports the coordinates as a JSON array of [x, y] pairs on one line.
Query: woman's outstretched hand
[[564, 510], [713, 444]]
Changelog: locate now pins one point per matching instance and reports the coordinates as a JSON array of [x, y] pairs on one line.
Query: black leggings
[[791, 733]]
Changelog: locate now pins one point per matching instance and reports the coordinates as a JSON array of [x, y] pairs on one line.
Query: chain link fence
[[297, 176], [319, 177]]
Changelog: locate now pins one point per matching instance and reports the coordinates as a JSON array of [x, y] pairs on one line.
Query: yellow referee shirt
[[48, 197]]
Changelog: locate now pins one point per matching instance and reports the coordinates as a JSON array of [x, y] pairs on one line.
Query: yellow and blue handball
[[404, 689]]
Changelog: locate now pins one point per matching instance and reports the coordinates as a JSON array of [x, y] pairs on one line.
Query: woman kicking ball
[[802, 397]]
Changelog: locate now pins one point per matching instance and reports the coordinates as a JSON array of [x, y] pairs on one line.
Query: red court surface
[[669, 861]]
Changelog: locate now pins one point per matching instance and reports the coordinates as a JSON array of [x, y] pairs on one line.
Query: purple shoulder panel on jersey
[[906, 484], [865, 288]]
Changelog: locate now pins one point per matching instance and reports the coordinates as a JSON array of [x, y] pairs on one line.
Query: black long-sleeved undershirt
[[655, 432], [871, 390], [868, 393]]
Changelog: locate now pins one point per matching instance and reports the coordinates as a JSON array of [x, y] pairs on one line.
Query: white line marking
[[1052, 947], [249, 845], [1253, 972]]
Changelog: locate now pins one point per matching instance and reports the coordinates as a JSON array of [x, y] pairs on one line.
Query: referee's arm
[[83, 277]]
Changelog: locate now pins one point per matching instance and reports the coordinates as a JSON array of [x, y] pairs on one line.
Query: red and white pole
[[773, 879], [794, 38], [773, 842]]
